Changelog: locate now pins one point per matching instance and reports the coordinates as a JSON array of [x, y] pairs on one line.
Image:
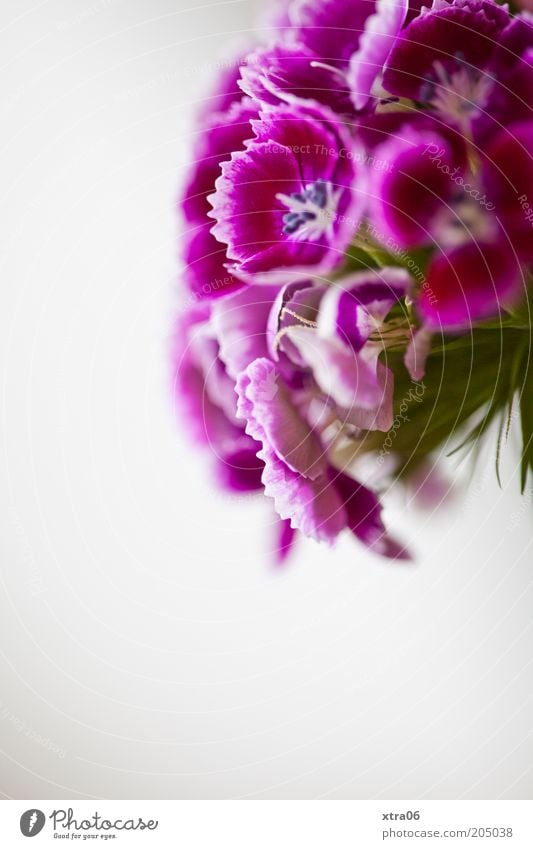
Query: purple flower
[[334, 55], [293, 199], [224, 133], [375, 44], [205, 273], [469, 283], [413, 189], [332, 29], [319, 500], [225, 92], [288, 73], [343, 348], [469, 204], [508, 179], [444, 51], [206, 400]]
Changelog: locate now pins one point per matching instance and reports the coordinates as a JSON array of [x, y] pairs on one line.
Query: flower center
[[462, 94], [312, 212]]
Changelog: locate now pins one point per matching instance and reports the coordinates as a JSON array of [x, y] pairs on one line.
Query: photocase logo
[[32, 822]]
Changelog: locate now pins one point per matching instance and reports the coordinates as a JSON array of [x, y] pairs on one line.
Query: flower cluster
[[361, 199]]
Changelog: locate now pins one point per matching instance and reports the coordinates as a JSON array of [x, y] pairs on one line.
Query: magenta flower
[[332, 29], [363, 183], [205, 259], [334, 54], [474, 281], [343, 349], [293, 199], [442, 54], [317, 499], [375, 44], [205, 273], [412, 190], [289, 73], [224, 133], [205, 398], [426, 192]]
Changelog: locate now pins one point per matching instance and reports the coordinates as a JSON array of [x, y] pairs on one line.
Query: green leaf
[[469, 381], [526, 419]]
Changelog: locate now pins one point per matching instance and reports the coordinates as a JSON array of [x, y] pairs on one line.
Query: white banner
[[268, 824]]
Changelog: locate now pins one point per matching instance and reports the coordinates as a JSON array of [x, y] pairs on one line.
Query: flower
[[291, 72], [437, 190], [377, 40], [333, 54], [413, 190], [205, 259], [368, 186], [225, 92], [307, 490], [292, 199], [510, 70], [474, 281], [443, 53], [333, 29], [205, 397], [342, 347]]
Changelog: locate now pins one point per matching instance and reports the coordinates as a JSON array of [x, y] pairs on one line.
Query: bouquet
[[356, 295]]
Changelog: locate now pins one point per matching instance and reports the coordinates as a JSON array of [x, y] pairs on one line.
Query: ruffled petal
[[224, 133], [462, 34], [272, 418], [205, 273], [313, 507], [289, 73], [375, 44]]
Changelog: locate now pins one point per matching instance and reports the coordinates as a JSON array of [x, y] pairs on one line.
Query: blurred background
[[148, 648]]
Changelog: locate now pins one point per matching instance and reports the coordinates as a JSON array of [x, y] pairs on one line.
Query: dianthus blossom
[[357, 247]]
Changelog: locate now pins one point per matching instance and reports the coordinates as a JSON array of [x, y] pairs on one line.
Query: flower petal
[[472, 282], [240, 325], [272, 418], [346, 378], [375, 44]]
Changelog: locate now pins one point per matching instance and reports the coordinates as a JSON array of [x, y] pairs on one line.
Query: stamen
[[326, 67], [461, 94], [391, 334], [305, 323], [312, 212]]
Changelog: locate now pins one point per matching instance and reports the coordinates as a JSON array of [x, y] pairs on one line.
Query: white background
[[148, 649]]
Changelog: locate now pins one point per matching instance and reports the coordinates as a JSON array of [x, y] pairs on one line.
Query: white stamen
[[324, 217]]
